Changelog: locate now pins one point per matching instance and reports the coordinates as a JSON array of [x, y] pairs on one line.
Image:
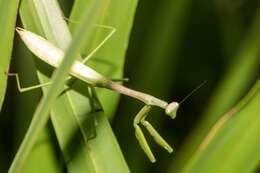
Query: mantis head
[[171, 109]]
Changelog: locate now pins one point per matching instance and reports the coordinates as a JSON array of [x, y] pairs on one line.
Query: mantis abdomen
[[52, 55]]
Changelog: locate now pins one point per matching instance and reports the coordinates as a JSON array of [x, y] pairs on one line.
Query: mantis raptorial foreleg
[[139, 133], [156, 136], [140, 118]]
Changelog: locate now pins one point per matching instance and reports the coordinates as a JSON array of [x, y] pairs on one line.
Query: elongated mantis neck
[[146, 98]]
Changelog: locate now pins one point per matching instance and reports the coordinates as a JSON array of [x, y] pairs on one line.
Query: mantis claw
[[157, 137], [143, 143], [140, 118], [139, 134]]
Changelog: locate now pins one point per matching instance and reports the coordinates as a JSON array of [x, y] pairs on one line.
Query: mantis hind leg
[[91, 54], [30, 88], [109, 35], [24, 89]]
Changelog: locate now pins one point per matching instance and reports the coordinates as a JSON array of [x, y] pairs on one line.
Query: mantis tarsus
[[53, 56]]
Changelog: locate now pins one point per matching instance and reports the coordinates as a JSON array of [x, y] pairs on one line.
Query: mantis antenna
[[193, 91], [172, 107]]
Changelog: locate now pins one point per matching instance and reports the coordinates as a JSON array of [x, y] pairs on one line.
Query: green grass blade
[[234, 83], [110, 59], [41, 114], [46, 153], [44, 157], [8, 11], [232, 145]]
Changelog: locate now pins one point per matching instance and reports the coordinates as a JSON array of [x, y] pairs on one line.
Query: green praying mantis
[[53, 56]]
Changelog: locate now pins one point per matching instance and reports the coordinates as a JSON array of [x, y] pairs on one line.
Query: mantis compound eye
[[171, 109]]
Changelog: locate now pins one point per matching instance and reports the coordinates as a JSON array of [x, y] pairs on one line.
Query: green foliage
[[7, 22], [232, 143], [229, 90], [174, 46]]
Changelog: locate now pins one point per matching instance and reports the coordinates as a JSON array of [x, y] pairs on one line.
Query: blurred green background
[[174, 46]]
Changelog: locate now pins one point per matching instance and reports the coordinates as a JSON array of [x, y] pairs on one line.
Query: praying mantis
[[53, 56]]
